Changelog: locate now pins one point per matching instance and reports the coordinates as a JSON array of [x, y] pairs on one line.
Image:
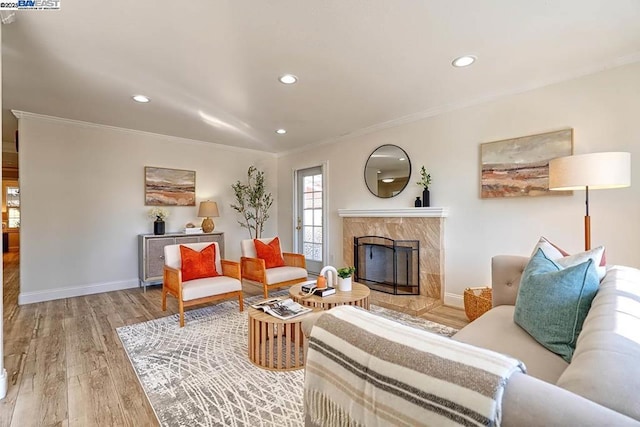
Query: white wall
[[82, 189], [603, 110]]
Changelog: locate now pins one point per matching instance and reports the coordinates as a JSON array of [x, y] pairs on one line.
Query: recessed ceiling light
[[388, 180], [141, 98], [464, 61], [288, 79], [379, 171], [281, 131], [402, 159]]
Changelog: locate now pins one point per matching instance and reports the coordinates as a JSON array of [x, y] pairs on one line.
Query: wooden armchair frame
[[172, 285], [254, 269]]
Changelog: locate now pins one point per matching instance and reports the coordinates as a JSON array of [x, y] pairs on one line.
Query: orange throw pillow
[[198, 265], [270, 253]]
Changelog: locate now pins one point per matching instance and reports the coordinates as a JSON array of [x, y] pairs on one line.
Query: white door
[[310, 216]]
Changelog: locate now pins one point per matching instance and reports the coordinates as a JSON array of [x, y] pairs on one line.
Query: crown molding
[[27, 115], [447, 108], [395, 213]]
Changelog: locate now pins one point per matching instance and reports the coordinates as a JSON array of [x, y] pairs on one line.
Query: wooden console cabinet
[[151, 252]]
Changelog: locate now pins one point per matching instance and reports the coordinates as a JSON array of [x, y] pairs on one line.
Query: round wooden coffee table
[[358, 296], [274, 343]]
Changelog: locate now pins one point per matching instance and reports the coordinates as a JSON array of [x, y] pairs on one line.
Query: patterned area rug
[[200, 375]]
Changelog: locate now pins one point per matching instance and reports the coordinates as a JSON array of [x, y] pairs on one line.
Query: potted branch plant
[[425, 182], [344, 278], [159, 214], [252, 202]]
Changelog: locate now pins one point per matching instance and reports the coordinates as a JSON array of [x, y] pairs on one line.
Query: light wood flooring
[[65, 362]]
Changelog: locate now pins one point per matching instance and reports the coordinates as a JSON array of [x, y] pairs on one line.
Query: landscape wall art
[[169, 187], [520, 166]]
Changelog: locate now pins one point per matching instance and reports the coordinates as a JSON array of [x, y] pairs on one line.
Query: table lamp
[[208, 209], [593, 171]]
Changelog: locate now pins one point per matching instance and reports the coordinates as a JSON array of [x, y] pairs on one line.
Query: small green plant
[[346, 272], [425, 180]]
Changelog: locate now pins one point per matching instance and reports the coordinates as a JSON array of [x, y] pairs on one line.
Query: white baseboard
[[75, 291], [454, 300]]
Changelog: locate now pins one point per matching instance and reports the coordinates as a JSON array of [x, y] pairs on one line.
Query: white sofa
[[601, 385], [602, 382]]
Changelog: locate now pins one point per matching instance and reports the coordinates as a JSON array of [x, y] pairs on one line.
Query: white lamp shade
[[208, 209], [595, 170]]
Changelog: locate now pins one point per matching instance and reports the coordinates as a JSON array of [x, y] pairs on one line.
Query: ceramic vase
[[158, 227], [425, 198], [344, 285], [321, 283], [418, 202]]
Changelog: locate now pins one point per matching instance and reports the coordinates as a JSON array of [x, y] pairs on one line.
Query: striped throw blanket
[[365, 370]]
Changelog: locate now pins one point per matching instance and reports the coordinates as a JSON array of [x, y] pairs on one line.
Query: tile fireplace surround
[[423, 224]]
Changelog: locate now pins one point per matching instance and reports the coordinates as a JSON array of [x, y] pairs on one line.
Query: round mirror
[[387, 171]]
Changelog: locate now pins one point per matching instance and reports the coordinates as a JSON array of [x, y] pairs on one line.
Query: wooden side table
[[358, 296], [274, 343]]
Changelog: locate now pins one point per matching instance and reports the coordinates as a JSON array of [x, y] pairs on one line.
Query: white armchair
[[198, 291], [254, 269]]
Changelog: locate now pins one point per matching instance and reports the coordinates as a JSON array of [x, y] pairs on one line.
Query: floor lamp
[[593, 171]]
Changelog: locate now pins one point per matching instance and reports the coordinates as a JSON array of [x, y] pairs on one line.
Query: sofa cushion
[[172, 254], [564, 259], [553, 302], [197, 264], [496, 331], [606, 363], [200, 288], [530, 402], [269, 252], [283, 274]]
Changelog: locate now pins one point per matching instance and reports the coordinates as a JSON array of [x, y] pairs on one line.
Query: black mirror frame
[[367, 162]]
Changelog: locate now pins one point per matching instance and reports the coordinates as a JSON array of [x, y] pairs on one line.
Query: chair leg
[[241, 301], [164, 299], [265, 291], [181, 308]]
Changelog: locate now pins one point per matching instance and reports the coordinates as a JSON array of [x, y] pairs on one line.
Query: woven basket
[[476, 302]]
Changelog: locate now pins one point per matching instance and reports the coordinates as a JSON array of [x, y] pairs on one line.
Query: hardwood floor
[[66, 364]]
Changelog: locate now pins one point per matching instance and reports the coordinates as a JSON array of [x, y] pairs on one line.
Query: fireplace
[[388, 265], [403, 224]]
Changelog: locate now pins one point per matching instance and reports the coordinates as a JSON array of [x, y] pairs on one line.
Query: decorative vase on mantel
[[158, 227], [418, 202], [425, 198]]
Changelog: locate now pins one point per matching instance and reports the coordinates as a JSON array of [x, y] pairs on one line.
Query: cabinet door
[[155, 256], [215, 238]]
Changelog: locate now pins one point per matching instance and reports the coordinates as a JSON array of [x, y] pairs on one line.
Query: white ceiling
[[211, 66]]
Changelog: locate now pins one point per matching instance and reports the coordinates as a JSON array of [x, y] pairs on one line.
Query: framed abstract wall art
[[169, 187], [520, 166]]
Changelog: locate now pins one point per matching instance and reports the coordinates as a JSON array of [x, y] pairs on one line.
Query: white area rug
[[200, 375]]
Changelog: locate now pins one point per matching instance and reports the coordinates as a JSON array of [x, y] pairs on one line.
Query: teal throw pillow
[[553, 302]]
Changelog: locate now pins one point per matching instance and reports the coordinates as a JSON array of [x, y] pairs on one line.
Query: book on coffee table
[[309, 287], [324, 292], [284, 309]]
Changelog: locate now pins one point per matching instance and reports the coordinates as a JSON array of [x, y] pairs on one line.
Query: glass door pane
[[310, 216]]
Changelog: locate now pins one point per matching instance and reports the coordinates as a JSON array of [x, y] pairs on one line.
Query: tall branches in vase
[[252, 202]]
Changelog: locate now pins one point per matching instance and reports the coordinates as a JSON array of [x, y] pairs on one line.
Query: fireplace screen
[[387, 265]]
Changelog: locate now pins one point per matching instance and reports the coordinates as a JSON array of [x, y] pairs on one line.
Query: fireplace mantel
[[395, 213]]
